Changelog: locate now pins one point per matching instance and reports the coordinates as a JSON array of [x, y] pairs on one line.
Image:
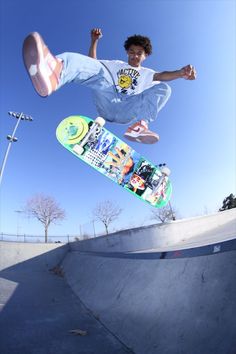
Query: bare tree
[[106, 212], [45, 209], [164, 214]]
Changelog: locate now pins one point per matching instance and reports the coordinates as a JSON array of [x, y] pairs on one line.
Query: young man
[[123, 92]]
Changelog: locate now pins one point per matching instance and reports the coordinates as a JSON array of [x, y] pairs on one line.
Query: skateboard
[[88, 140]]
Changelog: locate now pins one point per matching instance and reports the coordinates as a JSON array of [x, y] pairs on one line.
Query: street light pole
[[12, 138]]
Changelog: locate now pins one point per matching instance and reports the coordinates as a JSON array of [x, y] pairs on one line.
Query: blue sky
[[197, 126]]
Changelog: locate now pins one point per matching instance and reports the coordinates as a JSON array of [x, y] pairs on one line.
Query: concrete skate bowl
[[168, 289]]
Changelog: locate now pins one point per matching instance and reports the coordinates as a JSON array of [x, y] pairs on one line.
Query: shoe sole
[[33, 58], [144, 139]]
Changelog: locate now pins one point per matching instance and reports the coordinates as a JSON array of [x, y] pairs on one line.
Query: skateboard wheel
[[78, 149], [165, 170], [72, 130], [100, 121]]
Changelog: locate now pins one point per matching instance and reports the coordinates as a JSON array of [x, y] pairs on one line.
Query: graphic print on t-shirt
[[127, 80]]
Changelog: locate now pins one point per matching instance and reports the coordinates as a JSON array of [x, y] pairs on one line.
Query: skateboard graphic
[[91, 142]]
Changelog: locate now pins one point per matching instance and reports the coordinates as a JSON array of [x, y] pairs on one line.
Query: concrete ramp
[[161, 306], [168, 289], [163, 289]]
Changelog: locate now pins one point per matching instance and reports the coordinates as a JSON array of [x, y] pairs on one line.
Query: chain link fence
[[85, 231]]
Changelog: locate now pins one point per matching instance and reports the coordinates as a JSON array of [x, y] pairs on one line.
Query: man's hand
[[188, 72], [96, 33]]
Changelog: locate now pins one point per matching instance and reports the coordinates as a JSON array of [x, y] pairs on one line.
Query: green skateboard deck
[[91, 142]]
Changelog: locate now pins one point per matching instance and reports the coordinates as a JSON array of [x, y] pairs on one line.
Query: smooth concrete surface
[[168, 289], [168, 306], [151, 288]]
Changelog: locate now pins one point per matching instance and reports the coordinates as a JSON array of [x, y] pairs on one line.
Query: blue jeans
[[111, 105]]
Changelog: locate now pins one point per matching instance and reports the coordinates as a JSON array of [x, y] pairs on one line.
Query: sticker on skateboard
[[91, 142]]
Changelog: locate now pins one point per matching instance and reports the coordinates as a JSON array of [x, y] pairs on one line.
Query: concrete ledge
[[217, 226], [44, 255]]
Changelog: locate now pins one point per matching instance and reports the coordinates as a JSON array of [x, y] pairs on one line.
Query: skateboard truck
[[164, 169], [98, 123]]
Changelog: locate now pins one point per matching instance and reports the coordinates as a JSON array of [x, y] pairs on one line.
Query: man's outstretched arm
[[96, 34], [188, 72]]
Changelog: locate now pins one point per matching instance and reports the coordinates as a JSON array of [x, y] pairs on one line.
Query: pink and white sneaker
[[43, 68], [140, 133]]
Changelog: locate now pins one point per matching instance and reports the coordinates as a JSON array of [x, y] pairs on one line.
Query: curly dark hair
[[141, 41]]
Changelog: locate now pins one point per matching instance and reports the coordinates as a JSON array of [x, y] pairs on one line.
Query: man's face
[[136, 55]]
